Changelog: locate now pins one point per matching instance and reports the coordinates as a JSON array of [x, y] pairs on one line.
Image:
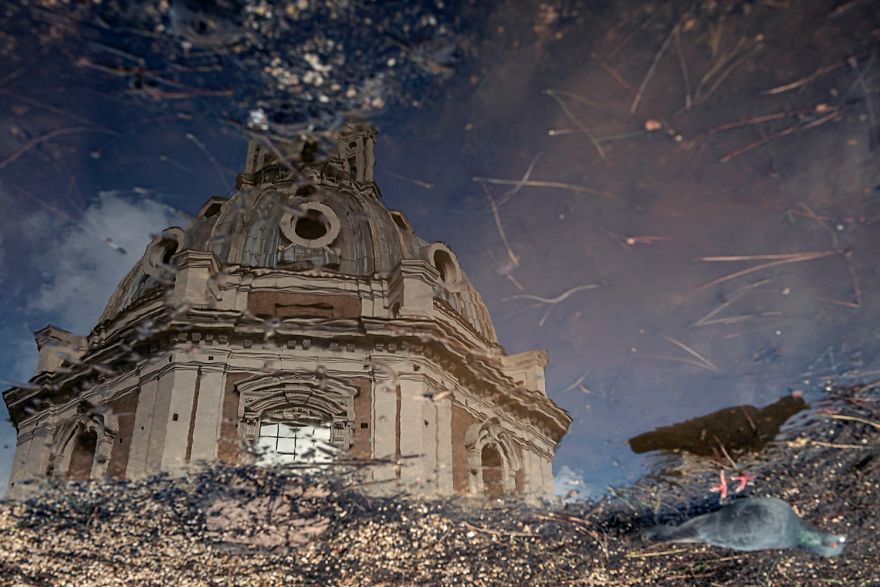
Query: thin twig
[[497, 533], [576, 98], [579, 384], [617, 378], [506, 270], [748, 418], [796, 212], [48, 137], [707, 319], [763, 141], [691, 352], [541, 184], [724, 74], [781, 260], [581, 525], [783, 256], [855, 419], [519, 186], [725, 453], [421, 183], [53, 109], [843, 8], [650, 72], [727, 321], [759, 120], [818, 73], [685, 76], [833, 445], [555, 300], [855, 281], [618, 78], [654, 554], [556, 132], [873, 128], [717, 66], [550, 301], [570, 115], [699, 364], [210, 157], [813, 216], [514, 260]]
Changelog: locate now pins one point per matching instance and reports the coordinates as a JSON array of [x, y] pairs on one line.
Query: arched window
[[83, 456], [492, 471], [284, 442], [297, 418], [82, 445], [493, 459]]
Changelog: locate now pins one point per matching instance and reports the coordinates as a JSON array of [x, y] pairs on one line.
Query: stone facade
[[301, 303]]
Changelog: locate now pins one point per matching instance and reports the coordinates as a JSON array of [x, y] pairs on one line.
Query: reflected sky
[[678, 200]]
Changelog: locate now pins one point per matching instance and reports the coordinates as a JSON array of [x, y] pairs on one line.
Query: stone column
[[143, 424], [547, 473], [209, 415], [443, 409], [412, 435], [180, 386], [384, 427], [159, 423], [33, 453], [19, 460], [429, 447], [535, 483]]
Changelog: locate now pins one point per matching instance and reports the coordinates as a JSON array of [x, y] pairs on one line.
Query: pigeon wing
[[684, 533]]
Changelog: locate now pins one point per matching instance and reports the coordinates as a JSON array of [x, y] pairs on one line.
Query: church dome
[[334, 223]]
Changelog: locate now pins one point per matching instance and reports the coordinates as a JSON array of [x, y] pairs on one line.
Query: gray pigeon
[[756, 523]]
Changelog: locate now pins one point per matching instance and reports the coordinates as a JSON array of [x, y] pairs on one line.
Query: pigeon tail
[[684, 533]]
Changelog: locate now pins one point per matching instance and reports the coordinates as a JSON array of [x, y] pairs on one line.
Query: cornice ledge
[[192, 258]]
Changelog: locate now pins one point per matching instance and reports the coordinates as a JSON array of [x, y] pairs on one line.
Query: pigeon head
[[822, 544]]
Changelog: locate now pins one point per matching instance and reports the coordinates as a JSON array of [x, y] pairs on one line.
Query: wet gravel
[[253, 526]]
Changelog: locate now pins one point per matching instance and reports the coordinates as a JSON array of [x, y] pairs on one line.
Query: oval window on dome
[[444, 261], [312, 225], [160, 252]]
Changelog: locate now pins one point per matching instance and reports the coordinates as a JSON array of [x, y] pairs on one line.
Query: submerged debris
[[260, 526], [737, 429]]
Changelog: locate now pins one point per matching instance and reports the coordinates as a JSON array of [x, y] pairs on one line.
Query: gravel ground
[[250, 526]]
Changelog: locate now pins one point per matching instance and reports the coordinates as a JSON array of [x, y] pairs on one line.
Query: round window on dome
[[312, 224]]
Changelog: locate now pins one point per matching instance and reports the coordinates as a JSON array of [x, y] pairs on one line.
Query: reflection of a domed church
[[306, 319]]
